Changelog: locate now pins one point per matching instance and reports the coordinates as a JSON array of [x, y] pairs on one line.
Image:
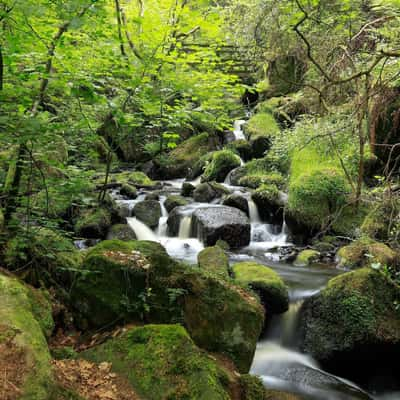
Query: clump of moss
[[175, 201], [21, 330], [307, 257], [139, 178], [262, 124], [121, 232], [161, 361], [355, 310], [93, 223], [214, 260], [254, 181], [252, 387], [365, 252], [128, 191], [266, 193], [273, 291], [315, 197], [221, 164]]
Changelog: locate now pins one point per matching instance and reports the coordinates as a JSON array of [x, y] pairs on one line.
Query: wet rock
[[236, 174], [153, 196], [353, 324], [121, 232], [238, 202], [207, 192], [174, 219], [149, 212], [265, 281], [129, 191], [174, 201], [225, 223], [187, 189], [93, 223]]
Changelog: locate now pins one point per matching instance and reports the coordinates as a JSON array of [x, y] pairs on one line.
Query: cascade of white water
[[253, 212], [162, 225], [238, 131], [185, 227], [142, 231]]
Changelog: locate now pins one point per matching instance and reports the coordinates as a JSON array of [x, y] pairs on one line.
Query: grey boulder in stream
[[222, 223]]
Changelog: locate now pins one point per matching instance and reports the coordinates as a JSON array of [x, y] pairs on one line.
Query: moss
[[355, 309], [307, 257], [264, 280], [254, 181], [252, 387], [184, 157], [279, 395], [221, 164], [162, 362], [93, 223], [316, 196], [114, 283], [174, 201], [365, 252], [64, 353], [149, 212], [262, 124], [214, 260], [128, 191], [241, 147], [140, 179], [17, 307], [121, 232]]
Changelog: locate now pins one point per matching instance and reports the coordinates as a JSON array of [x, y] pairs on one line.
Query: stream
[[277, 360]]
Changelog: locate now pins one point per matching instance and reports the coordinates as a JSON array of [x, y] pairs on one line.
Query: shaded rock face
[[222, 223], [207, 192], [259, 146], [121, 232], [238, 202], [353, 327], [149, 212], [187, 189]]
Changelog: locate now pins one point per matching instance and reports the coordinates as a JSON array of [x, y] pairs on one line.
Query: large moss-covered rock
[[183, 158], [214, 260], [265, 281], [115, 280], [354, 324], [129, 191], [93, 223], [270, 202], [307, 257], [221, 164], [121, 232], [365, 252], [25, 320], [207, 192], [243, 148], [149, 212], [187, 189], [175, 201], [221, 317], [261, 128], [162, 362], [252, 387]]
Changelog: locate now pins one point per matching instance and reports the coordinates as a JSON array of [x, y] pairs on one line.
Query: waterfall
[[238, 131], [162, 225], [253, 212], [142, 231], [185, 227]]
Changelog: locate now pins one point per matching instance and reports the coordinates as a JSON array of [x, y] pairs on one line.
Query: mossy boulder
[[238, 202], [207, 192], [187, 189], [243, 148], [307, 257], [255, 180], [183, 158], [317, 196], [221, 164], [252, 387], [353, 323], [214, 260], [153, 196], [129, 191], [93, 223], [261, 129], [366, 252], [149, 212], [121, 232], [163, 362], [140, 179], [221, 317], [270, 202], [266, 282], [114, 282], [174, 201], [25, 317]]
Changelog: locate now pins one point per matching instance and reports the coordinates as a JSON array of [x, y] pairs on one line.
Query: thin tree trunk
[[1, 68], [119, 22]]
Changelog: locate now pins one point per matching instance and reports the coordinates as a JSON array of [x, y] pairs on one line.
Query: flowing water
[[277, 359]]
